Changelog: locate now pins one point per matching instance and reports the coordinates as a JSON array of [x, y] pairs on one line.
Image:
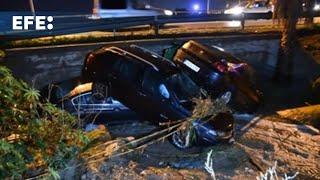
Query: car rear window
[[108, 59], [128, 69]]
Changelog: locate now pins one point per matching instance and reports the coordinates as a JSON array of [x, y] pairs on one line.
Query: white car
[[256, 7]]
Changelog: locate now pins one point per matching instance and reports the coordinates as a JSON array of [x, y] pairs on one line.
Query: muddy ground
[[260, 142]]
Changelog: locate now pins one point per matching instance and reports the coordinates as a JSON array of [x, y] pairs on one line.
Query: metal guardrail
[[63, 26]]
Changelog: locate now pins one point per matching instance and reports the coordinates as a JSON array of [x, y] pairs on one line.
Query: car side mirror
[[164, 91]]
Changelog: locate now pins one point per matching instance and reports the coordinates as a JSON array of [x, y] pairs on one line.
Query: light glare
[[196, 7], [168, 12]]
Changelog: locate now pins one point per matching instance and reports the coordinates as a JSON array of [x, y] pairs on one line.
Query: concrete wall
[[44, 65]]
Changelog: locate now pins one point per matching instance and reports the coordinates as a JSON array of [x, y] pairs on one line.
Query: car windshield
[[183, 87]]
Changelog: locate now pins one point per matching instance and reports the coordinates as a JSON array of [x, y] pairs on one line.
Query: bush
[[33, 135]]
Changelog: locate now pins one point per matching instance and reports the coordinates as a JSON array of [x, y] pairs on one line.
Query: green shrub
[[32, 134]]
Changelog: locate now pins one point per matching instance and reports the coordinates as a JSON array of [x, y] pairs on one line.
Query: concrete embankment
[[43, 65]]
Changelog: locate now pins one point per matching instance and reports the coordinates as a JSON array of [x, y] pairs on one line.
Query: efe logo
[[32, 22]]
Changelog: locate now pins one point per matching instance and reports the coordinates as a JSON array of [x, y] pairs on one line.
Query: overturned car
[[154, 88], [217, 71]]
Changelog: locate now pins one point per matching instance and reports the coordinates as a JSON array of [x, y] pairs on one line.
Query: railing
[[74, 24]]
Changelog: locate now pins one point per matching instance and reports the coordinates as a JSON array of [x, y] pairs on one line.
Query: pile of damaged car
[[161, 90]]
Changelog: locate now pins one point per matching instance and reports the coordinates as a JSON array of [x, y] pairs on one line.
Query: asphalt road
[[230, 24], [75, 23]]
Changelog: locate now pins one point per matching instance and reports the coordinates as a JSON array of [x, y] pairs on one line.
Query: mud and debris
[[260, 142]]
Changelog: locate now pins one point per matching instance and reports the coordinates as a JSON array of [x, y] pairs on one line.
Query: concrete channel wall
[[40, 66]]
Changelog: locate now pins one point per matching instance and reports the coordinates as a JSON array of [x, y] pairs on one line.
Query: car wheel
[[182, 139]]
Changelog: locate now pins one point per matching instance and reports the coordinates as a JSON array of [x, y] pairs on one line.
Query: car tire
[[182, 139]]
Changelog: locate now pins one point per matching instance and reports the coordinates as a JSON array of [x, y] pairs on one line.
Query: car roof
[[142, 55]]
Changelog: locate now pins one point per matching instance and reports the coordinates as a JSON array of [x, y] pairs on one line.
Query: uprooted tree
[[288, 12], [33, 135]]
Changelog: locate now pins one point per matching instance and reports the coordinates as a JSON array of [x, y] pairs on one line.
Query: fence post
[[95, 9], [156, 25], [114, 30], [242, 21], [31, 4]]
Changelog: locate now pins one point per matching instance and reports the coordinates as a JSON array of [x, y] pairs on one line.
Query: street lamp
[[95, 10], [196, 7], [32, 7]]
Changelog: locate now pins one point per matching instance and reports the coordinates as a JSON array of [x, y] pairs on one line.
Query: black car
[[154, 88], [217, 72]]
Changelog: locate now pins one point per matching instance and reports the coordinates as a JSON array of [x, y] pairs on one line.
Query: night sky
[[86, 5]]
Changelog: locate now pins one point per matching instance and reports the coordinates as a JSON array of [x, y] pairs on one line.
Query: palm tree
[[288, 12]]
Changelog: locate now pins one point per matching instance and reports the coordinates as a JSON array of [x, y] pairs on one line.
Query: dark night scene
[[160, 89]]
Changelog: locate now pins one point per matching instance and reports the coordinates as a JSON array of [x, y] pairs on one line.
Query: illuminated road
[[73, 23], [225, 24]]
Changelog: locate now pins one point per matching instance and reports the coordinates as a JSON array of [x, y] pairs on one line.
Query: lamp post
[[95, 8], [32, 7], [208, 6]]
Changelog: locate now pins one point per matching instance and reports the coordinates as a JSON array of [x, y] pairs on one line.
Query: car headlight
[[235, 11], [226, 97], [316, 7], [168, 12]]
